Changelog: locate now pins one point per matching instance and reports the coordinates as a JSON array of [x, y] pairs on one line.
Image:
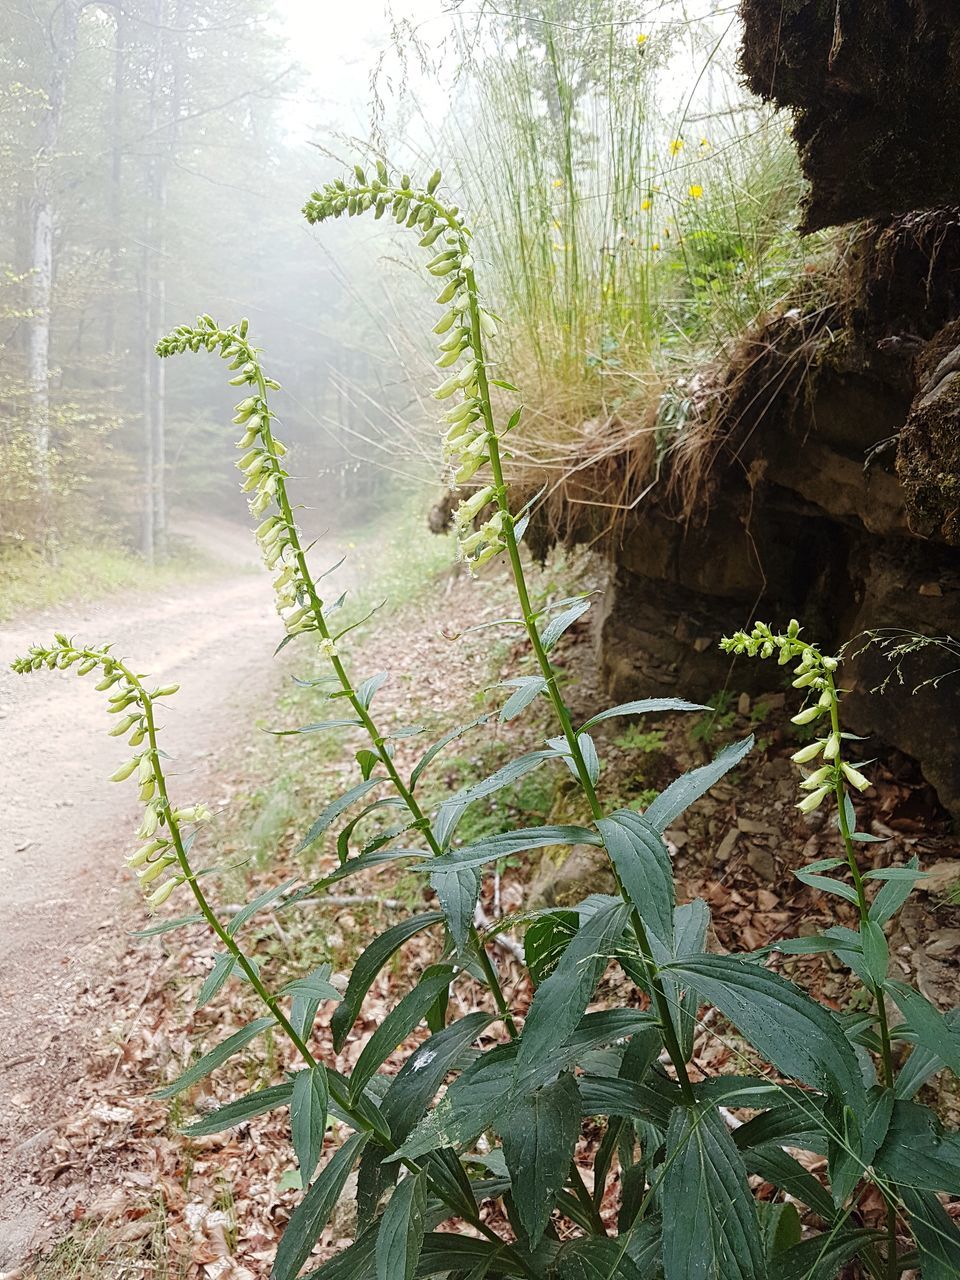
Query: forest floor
[[108, 1187]]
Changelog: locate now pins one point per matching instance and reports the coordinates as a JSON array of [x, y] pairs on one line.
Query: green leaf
[[313, 1212], [637, 851], [240, 1110], [222, 969], [505, 386], [315, 986], [559, 1003], [932, 1030], [167, 926], [597, 1259], [680, 794], [398, 1024], [591, 760], [400, 1237], [770, 1162], [368, 761], [308, 1117], [893, 895], [922, 1064], [826, 885], [251, 908], [333, 811], [215, 1058], [370, 962], [690, 923], [642, 707], [714, 1232], [458, 890], [453, 809], [779, 1227], [557, 625], [539, 1135], [416, 1083], [369, 687], [319, 727], [610, 1096], [936, 1234], [876, 954], [358, 1262], [438, 746], [510, 842], [527, 689], [307, 1000], [851, 1154], [545, 941], [796, 1034], [821, 1257], [917, 1152]]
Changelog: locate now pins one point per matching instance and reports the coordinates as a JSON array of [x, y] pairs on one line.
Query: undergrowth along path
[[64, 891]]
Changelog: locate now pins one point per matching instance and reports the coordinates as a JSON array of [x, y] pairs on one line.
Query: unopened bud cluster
[[260, 461], [131, 702], [461, 330], [813, 672]]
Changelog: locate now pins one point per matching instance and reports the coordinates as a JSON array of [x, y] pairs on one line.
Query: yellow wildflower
[[696, 191], [646, 204], [558, 182], [641, 39], [676, 146], [705, 142], [656, 245]]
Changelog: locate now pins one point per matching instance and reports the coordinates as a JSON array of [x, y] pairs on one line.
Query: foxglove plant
[[671, 1193]]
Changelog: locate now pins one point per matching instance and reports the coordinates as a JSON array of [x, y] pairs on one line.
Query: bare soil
[[65, 898]]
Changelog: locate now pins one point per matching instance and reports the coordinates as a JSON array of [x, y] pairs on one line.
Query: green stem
[[267, 998], [553, 689], [420, 819], [886, 1051]]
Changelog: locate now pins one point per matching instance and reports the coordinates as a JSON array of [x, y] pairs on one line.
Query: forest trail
[[65, 895]]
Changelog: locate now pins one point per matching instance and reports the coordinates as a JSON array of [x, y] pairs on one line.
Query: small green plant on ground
[[668, 1190]]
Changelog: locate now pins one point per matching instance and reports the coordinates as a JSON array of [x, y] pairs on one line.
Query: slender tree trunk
[[111, 327], [63, 38]]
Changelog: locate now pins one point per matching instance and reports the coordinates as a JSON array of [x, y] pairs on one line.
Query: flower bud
[[125, 770], [159, 896], [855, 777], [832, 749], [826, 700], [808, 753], [830, 664], [807, 715], [167, 691], [125, 725], [145, 852], [817, 779], [814, 800]]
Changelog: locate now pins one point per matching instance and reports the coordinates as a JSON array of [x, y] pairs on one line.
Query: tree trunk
[[63, 37]]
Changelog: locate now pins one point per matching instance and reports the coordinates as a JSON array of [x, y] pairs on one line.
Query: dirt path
[[65, 897]]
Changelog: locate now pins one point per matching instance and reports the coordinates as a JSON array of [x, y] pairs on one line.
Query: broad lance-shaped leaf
[[557, 625], [922, 1064], [539, 1134], [510, 842], [559, 1002], [215, 1058], [416, 1083], [820, 1257], [918, 1152], [400, 1237], [371, 961], [525, 690], [936, 1234], [313, 1212], [931, 1028], [240, 1110], [597, 1258], [450, 736], [458, 891], [637, 851], [642, 707], [485, 1090], [398, 1024], [334, 810], [711, 1230], [545, 941], [680, 794], [453, 809], [796, 1034], [308, 1117]]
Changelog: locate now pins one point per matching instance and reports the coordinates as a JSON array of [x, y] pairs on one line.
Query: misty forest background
[[154, 160]]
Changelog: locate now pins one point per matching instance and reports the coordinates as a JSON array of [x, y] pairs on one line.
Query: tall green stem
[[883, 1027], [420, 820], [553, 689]]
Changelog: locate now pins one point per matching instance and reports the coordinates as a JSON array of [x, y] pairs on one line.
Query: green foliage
[[508, 1125]]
